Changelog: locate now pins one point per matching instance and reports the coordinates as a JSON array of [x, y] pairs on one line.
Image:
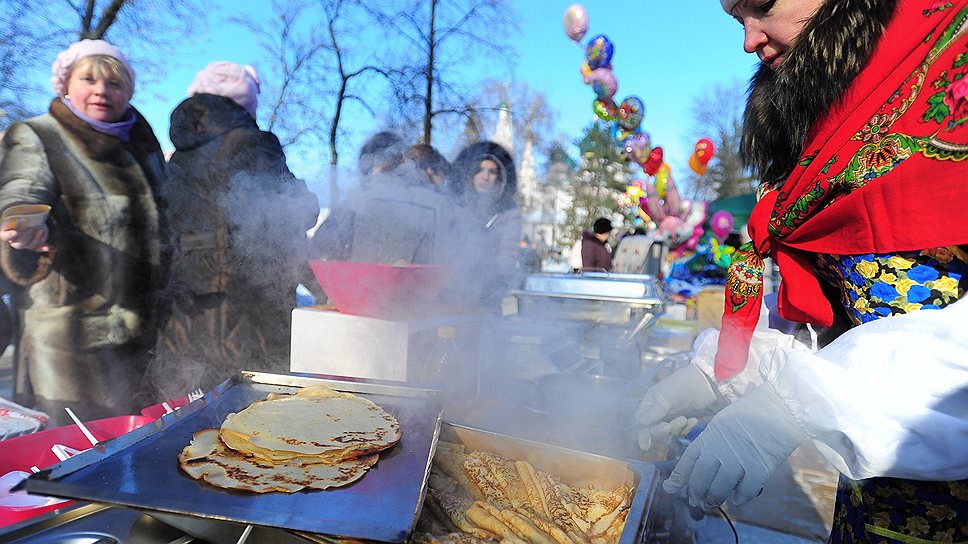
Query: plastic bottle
[[445, 359]]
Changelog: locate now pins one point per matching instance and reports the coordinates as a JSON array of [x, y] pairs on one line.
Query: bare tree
[[346, 72], [439, 36], [33, 32], [531, 116], [718, 114], [293, 49]]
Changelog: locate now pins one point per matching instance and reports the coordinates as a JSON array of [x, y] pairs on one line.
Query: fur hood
[[784, 104], [464, 168], [202, 118]]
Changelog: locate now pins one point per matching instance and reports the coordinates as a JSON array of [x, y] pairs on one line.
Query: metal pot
[[585, 396]]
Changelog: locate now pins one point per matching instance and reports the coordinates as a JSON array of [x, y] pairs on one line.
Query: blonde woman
[[86, 316]]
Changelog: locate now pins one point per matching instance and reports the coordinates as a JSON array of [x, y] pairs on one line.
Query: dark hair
[[602, 225], [384, 150], [467, 163], [425, 156]]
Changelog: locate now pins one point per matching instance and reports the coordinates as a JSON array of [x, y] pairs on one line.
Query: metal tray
[[615, 286], [140, 469], [573, 468]]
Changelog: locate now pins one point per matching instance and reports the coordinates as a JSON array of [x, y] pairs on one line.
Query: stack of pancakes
[[318, 438], [480, 497]]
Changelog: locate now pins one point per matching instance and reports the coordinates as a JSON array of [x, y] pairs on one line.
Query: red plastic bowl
[[380, 290], [22, 452]]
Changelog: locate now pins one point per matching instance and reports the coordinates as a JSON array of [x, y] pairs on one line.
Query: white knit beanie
[[728, 4], [231, 80], [66, 59]]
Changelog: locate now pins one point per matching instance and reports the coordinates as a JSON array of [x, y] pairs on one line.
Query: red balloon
[[705, 150], [654, 161]]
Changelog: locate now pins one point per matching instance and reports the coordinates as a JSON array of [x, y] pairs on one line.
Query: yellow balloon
[[661, 178]]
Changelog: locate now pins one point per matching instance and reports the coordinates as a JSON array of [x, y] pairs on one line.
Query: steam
[[239, 250]]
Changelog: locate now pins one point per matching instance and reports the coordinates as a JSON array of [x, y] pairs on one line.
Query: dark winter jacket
[[595, 256], [239, 219], [86, 313], [490, 226]]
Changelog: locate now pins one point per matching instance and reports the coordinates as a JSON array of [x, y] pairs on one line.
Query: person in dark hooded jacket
[[484, 181], [239, 218]]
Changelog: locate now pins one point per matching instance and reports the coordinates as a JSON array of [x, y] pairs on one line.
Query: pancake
[[207, 458], [305, 429], [318, 438]]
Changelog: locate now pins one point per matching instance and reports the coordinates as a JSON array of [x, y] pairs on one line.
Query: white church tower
[[504, 132]]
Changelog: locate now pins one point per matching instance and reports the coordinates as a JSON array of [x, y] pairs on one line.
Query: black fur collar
[[783, 104]]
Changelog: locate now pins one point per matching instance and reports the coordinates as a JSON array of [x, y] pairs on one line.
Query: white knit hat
[[728, 4], [231, 80], [66, 59]]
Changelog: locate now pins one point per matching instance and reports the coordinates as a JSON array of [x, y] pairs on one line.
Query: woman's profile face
[[103, 98], [488, 173], [772, 27]]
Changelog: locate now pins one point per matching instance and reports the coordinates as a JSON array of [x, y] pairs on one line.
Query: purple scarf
[[119, 130]]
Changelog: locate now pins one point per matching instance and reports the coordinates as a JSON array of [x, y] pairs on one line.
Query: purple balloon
[[637, 147]]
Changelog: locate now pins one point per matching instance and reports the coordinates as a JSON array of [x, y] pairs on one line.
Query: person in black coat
[[239, 219], [595, 256]]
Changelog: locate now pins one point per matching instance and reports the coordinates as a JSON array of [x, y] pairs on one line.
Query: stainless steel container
[[573, 468], [626, 299]]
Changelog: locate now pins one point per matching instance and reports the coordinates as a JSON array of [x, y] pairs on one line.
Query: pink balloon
[[576, 22], [721, 224], [672, 229], [654, 204], [673, 200], [603, 82]]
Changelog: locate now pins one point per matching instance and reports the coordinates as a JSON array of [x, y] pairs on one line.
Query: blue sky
[[666, 53]]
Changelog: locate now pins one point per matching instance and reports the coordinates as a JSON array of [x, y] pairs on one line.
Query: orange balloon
[[696, 164], [645, 217]]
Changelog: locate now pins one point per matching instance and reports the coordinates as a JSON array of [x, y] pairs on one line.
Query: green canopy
[[740, 206]]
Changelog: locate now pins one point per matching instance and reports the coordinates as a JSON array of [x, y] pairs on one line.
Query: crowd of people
[[148, 277]]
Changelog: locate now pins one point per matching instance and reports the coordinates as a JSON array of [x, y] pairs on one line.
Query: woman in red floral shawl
[[856, 125]]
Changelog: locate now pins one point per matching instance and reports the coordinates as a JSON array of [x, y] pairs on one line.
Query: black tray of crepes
[[141, 469]]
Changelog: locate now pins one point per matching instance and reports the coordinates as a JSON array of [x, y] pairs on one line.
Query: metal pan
[[574, 468], [140, 469]]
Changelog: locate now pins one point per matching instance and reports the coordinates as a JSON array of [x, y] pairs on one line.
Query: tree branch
[[108, 16]]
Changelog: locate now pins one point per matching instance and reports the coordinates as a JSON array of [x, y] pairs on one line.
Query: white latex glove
[[669, 406], [738, 451]]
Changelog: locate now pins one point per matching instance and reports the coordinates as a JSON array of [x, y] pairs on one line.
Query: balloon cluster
[[596, 71], [679, 222]]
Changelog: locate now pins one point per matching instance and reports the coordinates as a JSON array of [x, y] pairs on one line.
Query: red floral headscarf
[[879, 173]]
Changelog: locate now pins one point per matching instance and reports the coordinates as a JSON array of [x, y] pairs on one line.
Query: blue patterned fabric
[[890, 510]]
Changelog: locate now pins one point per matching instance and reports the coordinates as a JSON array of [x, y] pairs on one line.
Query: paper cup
[[23, 216]]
